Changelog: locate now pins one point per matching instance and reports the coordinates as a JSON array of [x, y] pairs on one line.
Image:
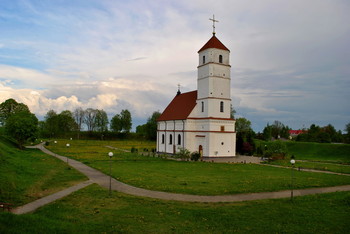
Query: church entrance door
[[200, 150]]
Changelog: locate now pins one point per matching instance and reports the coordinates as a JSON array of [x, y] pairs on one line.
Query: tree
[[276, 130], [122, 122], [126, 121], [58, 124], [149, 130], [101, 121], [90, 119], [21, 126], [79, 115], [243, 125], [347, 130], [116, 124], [245, 137], [9, 107]]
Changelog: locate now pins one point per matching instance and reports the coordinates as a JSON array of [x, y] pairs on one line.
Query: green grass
[[320, 151], [192, 177], [90, 210], [339, 168], [26, 175]]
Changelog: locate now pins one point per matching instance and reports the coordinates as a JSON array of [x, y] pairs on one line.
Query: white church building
[[200, 120]]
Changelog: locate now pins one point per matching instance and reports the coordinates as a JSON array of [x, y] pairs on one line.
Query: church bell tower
[[214, 82]]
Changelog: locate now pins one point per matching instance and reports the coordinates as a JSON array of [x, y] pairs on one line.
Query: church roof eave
[[214, 42]]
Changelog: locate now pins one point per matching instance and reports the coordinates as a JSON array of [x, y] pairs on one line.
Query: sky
[[290, 59]]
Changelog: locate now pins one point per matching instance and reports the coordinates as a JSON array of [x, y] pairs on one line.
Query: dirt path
[[102, 179]]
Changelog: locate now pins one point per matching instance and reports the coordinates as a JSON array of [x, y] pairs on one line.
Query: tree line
[[246, 144], [22, 125]]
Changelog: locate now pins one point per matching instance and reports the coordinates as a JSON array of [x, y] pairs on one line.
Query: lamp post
[[292, 161], [67, 145], [110, 154]]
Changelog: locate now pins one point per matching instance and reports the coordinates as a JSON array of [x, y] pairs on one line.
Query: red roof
[[180, 107], [214, 42], [296, 132]]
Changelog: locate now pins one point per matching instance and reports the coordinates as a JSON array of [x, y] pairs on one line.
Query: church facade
[[200, 120]]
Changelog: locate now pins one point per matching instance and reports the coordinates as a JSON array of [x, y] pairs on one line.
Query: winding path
[[102, 179]]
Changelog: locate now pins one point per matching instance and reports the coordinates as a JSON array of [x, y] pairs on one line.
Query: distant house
[[295, 133]]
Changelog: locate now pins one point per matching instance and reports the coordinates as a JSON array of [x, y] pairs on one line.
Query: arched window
[[171, 139], [221, 106], [202, 106], [220, 58], [203, 59], [179, 139], [163, 138]]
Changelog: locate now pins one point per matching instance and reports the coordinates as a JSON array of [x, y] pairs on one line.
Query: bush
[[195, 156], [183, 153], [133, 150], [276, 150]]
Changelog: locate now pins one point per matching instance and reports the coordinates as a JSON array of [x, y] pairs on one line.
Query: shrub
[[133, 150], [276, 150], [183, 153], [195, 156]]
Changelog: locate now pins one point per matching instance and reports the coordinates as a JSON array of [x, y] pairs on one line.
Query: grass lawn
[[340, 168], [191, 177], [90, 210], [26, 175], [339, 153]]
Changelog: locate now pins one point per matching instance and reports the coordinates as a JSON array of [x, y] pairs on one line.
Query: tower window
[[171, 139], [179, 139], [202, 106], [220, 58], [221, 106], [203, 59], [163, 138], [222, 128]]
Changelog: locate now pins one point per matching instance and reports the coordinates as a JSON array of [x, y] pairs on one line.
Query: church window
[[202, 106], [179, 139], [163, 138], [221, 106], [220, 58], [170, 139], [222, 143], [222, 128], [203, 59]]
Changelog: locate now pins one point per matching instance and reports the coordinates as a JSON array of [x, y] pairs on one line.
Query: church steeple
[[214, 82]]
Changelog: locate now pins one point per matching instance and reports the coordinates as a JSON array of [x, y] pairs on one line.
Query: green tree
[[126, 121], [90, 119], [79, 115], [101, 121], [347, 130], [116, 124], [9, 107], [151, 129], [21, 126], [245, 137], [58, 124]]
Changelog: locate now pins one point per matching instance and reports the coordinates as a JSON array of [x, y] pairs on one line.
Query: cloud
[[290, 60]]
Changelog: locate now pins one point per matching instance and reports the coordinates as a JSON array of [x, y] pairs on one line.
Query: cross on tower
[[214, 20]]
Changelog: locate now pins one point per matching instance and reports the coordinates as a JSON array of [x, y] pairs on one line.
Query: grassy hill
[[26, 175], [320, 151]]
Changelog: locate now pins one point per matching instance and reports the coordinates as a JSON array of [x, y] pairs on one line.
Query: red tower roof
[[180, 107], [214, 42]]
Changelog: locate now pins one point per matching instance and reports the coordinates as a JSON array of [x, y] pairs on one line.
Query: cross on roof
[[214, 20]]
